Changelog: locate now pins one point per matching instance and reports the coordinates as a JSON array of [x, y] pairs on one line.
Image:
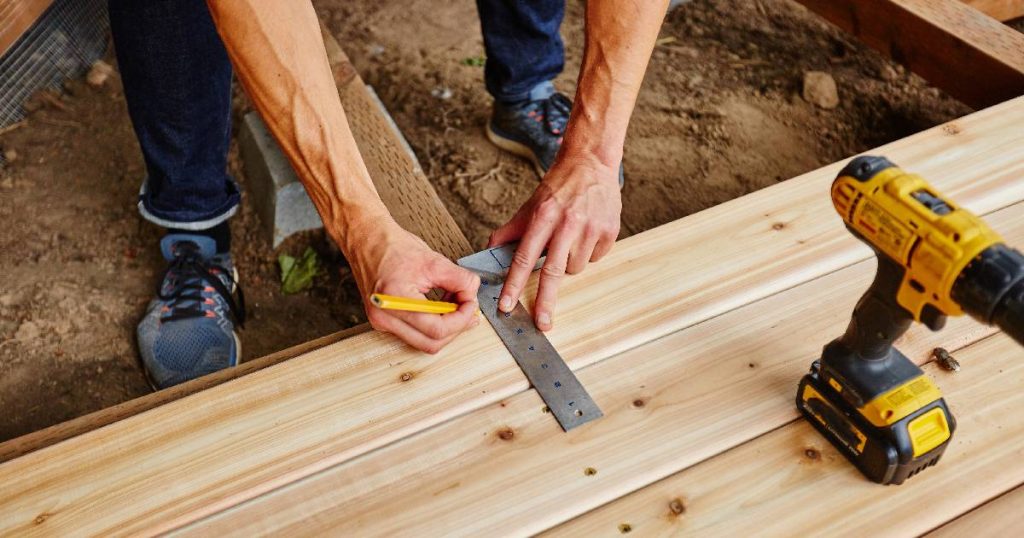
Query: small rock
[[888, 73], [10, 155], [27, 332], [820, 90], [442, 92], [99, 73]]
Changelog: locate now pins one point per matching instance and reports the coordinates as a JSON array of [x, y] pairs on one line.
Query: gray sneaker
[[533, 130], [189, 329]]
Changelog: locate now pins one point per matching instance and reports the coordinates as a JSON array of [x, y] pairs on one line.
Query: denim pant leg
[[524, 49], [177, 81]]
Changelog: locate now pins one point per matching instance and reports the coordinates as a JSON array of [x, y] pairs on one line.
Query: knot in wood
[[639, 402], [625, 527], [677, 507], [812, 453], [506, 434], [406, 376], [590, 471]]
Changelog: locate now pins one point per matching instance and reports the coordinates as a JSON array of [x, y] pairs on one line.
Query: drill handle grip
[[878, 320]]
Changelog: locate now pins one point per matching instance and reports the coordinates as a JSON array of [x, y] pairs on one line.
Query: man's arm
[[281, 61], [575, 211]]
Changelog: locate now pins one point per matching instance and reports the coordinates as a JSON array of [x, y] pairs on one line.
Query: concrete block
[[275, 190]]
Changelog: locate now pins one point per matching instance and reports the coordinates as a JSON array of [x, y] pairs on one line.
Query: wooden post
[[952, 45]]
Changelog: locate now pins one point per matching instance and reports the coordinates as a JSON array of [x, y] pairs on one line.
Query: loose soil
[[720, 115]]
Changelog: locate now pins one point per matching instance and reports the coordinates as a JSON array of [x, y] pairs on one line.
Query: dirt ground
[[720, 115]]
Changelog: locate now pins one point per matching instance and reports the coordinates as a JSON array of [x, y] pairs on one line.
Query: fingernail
[[506, 304], [544, 319]]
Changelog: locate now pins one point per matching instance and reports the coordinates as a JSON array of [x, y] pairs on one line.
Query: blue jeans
[[177, 81]]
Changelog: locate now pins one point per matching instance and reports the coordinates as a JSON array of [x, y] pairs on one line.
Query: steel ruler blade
[[557, 385]]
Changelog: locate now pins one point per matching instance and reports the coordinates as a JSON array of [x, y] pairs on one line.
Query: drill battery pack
[[886, 449]]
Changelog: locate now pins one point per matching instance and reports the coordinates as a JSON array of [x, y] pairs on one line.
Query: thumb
[[460, 282]]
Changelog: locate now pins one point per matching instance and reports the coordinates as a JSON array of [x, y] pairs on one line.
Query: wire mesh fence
[[66, 39]]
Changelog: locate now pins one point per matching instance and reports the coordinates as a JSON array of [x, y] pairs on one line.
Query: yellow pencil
[[390, 302]]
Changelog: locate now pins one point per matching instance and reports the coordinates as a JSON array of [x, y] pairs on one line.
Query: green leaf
[[298, 275], [475, 61]]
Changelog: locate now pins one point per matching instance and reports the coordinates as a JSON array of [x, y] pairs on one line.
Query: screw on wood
[[945, 360]]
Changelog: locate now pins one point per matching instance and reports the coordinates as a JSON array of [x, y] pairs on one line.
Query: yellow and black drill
[[935, 259]]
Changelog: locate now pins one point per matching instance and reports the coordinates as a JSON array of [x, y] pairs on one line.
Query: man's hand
[[574, 214], [575, 211], [390, 260]]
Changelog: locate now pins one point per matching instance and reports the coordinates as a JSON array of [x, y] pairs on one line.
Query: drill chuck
[[991, 289]]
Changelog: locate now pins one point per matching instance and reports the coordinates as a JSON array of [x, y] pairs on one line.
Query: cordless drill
[[934, 260]]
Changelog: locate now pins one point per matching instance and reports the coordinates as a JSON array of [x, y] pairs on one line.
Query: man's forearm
[[620, 36], [280, 59]]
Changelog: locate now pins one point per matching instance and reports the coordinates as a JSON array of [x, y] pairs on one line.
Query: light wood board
[[955, 47], [1001, 10], [230, 443], [791, 482], [19, 446], [702, 390], [1001, 516]]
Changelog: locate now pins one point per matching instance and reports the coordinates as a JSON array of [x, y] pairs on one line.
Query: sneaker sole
[[514, 148]]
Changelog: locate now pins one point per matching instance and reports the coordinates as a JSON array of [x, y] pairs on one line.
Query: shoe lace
[[191, 276], [555, 112]]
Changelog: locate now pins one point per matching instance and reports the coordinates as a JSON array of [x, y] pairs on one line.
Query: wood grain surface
[[668, 404], [792, 482], [212, 450]]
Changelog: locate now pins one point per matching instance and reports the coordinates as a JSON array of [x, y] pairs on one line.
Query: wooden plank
[[702, 390], [1001, 10], [20, 446], [16, 17], [791, 482], [954, 46], [214, 449], [406, 192], [999, 517]]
